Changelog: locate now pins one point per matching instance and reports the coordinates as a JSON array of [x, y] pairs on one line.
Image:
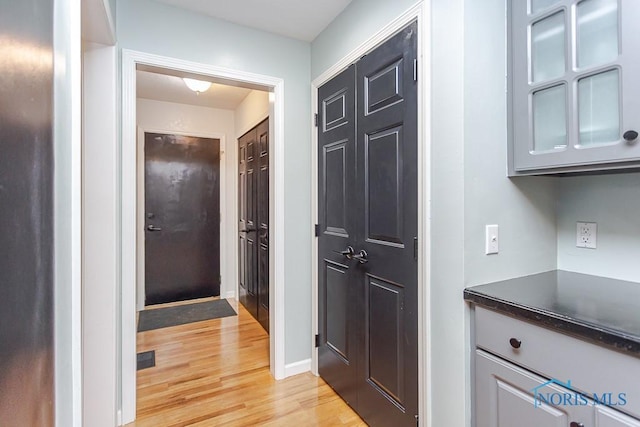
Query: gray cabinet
[[606, 417], [529, 376], [505, 395], [574, 85]]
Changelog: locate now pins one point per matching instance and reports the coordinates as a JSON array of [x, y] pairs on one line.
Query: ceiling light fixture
[[197, 86]]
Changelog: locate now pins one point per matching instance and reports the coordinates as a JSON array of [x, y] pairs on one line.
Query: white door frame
[[419, 13], [226, 289], [128, 245]]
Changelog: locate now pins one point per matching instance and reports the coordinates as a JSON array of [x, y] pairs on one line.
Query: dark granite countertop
[[598, 309]]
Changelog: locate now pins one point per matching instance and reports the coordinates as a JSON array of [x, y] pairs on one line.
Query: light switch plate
[[491, 244], [586, 235]]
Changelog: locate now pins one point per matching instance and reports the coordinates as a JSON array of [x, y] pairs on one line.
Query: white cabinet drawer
[[590, 367]]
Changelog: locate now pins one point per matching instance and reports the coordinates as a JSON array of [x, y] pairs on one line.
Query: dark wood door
[[182, 217], [374, 290], [253, 226], [338, 291]]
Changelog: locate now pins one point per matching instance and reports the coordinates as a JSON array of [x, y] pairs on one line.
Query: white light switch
[[491, 245], [586, 234]]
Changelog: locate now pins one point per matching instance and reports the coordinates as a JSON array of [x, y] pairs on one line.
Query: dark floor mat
[[146, 359], [182, 314]]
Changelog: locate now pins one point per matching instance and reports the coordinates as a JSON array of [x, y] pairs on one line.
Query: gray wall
[[112, 7], [357, 22], [613, 202], [156, 28], [447, 312]]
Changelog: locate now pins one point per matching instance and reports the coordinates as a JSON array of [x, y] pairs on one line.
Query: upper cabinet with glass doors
[[574, 74]]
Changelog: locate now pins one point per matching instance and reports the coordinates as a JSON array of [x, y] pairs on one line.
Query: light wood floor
[[216, 373]]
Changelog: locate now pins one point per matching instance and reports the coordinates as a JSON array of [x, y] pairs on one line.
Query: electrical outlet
[[491, 244], [586, 234]]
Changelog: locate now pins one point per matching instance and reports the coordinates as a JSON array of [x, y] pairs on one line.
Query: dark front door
[[182, 217], [253, 207], [368, 192]]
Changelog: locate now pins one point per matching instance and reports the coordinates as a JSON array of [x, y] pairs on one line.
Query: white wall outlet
[[491, 243], [586, 234]]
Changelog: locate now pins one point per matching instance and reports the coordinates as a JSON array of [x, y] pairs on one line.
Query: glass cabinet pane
[[548, 47], [599, 109], [597, 31], [550, 119], [538, 5]]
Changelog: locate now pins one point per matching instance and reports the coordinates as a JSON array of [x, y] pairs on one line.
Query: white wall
[[100, 265], [152, 27], [251, 111], [67, 211], [613, 202], [158, 116]]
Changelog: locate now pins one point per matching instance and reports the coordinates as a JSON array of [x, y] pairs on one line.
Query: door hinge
[[415, 70], [317, 230], [317, 340], [316, 119], [417, 421], [415, 248]]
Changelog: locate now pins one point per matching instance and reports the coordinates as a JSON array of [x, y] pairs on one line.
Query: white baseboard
[[230, 295], [296, 368]]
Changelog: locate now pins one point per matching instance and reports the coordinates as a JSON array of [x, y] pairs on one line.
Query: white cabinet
[[530, 376], [574, 85]]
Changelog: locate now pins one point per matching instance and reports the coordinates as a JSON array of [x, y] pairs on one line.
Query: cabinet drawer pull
[[575, 424], [516, 343], [630, 136]]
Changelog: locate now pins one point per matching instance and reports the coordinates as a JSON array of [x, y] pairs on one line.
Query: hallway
[[216, 372]]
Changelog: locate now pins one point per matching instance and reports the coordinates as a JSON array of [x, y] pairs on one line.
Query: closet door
[[247, 227], [262, 206], [387, 230], [253, 227], [338, 295], [367, 189]]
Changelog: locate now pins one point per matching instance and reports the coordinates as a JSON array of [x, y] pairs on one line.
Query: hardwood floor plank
[[216, 372]]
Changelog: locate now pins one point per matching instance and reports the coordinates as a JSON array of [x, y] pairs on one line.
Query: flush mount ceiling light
[[197, 85]]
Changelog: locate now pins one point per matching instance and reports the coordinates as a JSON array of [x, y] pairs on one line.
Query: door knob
[[152, 227], [361, 257], [347, 253], [575, 424]]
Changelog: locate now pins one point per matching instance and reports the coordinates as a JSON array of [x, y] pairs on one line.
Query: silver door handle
[[151, 227], [347, 253], [361, 257]]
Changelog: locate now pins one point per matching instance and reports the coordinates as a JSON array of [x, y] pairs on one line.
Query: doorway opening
[[141, 223]]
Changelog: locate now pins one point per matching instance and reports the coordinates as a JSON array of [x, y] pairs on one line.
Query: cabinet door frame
[[519, 381], [617, 154]]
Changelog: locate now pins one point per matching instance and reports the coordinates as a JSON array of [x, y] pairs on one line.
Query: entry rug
[[182, 314]]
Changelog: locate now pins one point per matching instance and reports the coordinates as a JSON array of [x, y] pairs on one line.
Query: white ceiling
[[162, 87], [299, 19]]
